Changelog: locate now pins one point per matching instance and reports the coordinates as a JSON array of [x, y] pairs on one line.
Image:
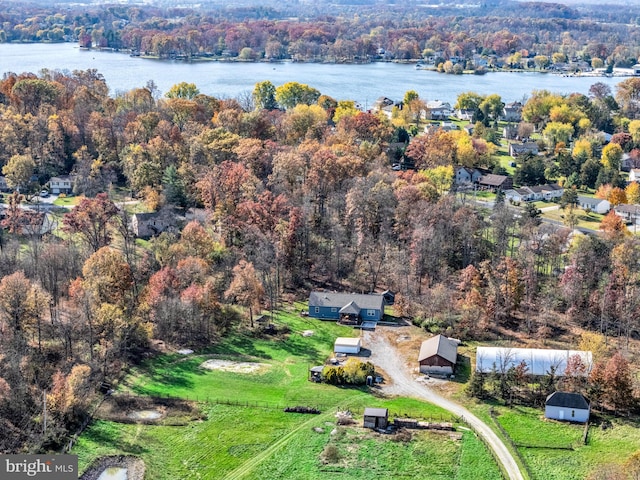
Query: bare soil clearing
[[235, 367]]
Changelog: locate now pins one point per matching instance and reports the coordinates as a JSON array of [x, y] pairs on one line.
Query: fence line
[[279, 406], [514, 447], [503, 472]]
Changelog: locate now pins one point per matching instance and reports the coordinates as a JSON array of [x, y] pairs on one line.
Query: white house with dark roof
[[596, 205], [571, 407], [61, 184], [628, 213]]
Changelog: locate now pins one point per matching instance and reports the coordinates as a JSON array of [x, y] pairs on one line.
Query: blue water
[[362, 83]]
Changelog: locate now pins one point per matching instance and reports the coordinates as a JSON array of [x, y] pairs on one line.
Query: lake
[[362, 83]]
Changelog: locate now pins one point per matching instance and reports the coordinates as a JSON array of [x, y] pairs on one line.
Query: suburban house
[[510, 132], [146, 225], [376, 417], [550, 191], [469, 128], [518, 195], [464, 175], [512, 112], [438, 110], [572, 407], [61, 184], [495, 182], [464, 114], [596, 205], [438, 355], [518, 149], [385, 105], [336, 306], [629, 213], [538, 361], [3, 184], [445, 125], [347, 345]]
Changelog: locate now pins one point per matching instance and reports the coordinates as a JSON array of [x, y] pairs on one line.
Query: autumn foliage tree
[[91, 220], [245, 288]]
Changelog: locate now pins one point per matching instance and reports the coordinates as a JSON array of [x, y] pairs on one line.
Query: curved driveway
[[385, 356]]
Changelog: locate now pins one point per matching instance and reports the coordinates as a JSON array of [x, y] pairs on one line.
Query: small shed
[[572, 407], [347, 345], [438, 355], [376, 418], [315, 373]]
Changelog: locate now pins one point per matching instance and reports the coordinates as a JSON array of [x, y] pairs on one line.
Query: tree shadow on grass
[[239, 345]]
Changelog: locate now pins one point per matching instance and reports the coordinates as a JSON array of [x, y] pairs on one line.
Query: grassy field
[[260, 440], [591, 220], [554, 450]]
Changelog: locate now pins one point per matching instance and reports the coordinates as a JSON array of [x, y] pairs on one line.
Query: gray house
[[146, 225], [572, 407], [336, 306]]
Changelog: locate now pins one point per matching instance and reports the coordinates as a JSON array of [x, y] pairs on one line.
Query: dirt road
[[385, 356]]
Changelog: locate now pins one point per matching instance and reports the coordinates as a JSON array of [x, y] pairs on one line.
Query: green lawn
[[66, 201], [543, 443], [264, 442], [585, 220]]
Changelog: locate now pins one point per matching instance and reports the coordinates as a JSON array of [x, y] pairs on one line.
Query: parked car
[[44, 193]]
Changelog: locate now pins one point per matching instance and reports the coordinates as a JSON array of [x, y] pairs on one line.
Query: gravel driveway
[[402, 382]]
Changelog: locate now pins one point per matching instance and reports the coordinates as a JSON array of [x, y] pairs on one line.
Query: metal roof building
[[539, 361]]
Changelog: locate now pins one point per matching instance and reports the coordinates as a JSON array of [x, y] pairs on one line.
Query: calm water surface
[[362, 83]]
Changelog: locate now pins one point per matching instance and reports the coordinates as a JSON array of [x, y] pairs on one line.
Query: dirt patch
[[134, 466], [146, 414], [308, 333], [148, 410], [235, 367]]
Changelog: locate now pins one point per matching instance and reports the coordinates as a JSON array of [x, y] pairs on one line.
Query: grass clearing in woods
[[257, 442]]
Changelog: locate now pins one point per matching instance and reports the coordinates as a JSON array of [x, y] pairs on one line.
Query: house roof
[[317, 369], [493, 179], [376, 412], [538, 361], [60, 178], [440, 346], [568, 400], [590, 201], [626, 208], [348, 341], [330, 299], [351, 308]]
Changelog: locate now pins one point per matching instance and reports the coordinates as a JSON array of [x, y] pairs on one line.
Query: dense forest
[[273, 196], [341, 33]]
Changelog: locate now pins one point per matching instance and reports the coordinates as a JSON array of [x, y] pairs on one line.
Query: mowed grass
[[254, 442], [549, 460]]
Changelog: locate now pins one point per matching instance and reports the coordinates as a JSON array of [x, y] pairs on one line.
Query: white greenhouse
[[538, 361]]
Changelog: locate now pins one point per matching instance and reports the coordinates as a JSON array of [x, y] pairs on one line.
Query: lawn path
[[248, 466]]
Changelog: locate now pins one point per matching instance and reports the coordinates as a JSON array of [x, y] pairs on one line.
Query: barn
[[438, 355], [376, 418], [347, 345], [572, 407], [538, 361]]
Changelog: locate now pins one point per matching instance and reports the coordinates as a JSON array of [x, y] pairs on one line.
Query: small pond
[[114, 473], [145, 415]]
